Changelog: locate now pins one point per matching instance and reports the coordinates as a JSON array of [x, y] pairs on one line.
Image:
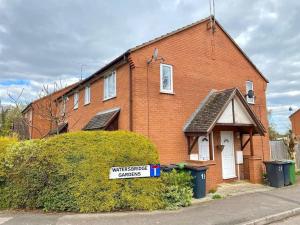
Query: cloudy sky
[[46, 41]]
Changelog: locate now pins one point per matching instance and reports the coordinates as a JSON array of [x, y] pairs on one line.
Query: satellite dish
[[155, 54], [250, 94]]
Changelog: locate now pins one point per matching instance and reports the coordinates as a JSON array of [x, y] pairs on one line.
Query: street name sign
[[134, 171]]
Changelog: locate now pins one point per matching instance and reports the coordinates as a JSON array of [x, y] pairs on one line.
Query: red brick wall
[[295, 120], [197, 70], [78, 118], [41, 123], [196, 73]]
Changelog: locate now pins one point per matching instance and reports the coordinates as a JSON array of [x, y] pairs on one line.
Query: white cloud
[[284, 94], [44, 41], [245, 37]]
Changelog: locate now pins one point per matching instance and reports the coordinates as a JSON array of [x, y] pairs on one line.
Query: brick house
[[193, 92], [295, 121], [38, 118]]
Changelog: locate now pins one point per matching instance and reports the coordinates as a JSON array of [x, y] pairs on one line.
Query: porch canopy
[[105, 120], [226, 108], [61, 128]]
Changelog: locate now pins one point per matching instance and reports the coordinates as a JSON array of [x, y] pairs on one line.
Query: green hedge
[[70, 172], [4, 143]]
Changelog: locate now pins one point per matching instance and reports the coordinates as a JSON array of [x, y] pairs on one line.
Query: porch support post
[[251, 142], [191, 143], [210, 137], [241, 140]]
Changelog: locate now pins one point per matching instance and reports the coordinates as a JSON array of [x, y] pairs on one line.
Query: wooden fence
[[279, 150], [297, 159]]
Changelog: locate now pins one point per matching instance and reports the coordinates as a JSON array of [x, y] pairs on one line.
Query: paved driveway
[[232, 210]]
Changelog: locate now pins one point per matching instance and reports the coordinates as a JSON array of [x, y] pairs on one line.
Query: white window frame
[[250, 100], [161, 79], [210, 144], [200, 151], [106, 93], [76, 100], [87, 95]]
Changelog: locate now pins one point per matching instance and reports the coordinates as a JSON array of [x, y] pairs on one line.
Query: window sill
[[106, 99], [202, 163], [75, 108], [87, 104], [168, 93]]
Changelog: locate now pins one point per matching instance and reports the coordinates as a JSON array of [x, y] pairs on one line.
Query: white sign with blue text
[[134, 171]]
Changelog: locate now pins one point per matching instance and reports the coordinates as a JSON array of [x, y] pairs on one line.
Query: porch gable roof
[[59, 129], [204, 119], [102, 119]]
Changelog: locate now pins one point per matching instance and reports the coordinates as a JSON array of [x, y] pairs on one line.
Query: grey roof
[[102, 119], [209, 111]]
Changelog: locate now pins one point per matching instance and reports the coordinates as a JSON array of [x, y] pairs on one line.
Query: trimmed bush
[[70, 172], [4, 143], [178, 189]]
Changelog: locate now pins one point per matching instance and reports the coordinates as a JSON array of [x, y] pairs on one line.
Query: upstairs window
[[166, 78], [76, 100], [110, 86], [87, 95], [249, 87]]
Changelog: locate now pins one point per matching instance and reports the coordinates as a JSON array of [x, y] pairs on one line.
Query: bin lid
[[196, 168], [275, 162]]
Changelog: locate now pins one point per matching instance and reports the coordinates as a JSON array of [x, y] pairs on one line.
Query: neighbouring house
[[295, 121], [193, 92], [42, 118]]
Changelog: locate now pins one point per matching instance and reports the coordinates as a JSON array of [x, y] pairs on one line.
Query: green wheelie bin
[[292, 172]]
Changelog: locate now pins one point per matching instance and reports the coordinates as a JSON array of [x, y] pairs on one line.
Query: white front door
[[228, 160]]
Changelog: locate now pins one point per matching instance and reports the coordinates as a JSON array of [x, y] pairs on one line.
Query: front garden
[[70, 172]]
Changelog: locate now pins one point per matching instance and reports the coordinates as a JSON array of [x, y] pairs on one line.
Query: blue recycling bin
[[275, 173], [199, 180]]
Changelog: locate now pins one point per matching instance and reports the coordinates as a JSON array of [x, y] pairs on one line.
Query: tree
[[273, 133], [47, 108], [290, 141]]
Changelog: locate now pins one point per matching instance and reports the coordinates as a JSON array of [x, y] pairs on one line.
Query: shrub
[[178, 189], [216, 196], [70, 172], [4, 143], [26, 173]]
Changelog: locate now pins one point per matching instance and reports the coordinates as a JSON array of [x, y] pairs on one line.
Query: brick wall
[[197, 70], [295, 121], [78, 118]]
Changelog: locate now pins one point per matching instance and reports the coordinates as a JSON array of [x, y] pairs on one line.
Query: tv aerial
[[155, 57]]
